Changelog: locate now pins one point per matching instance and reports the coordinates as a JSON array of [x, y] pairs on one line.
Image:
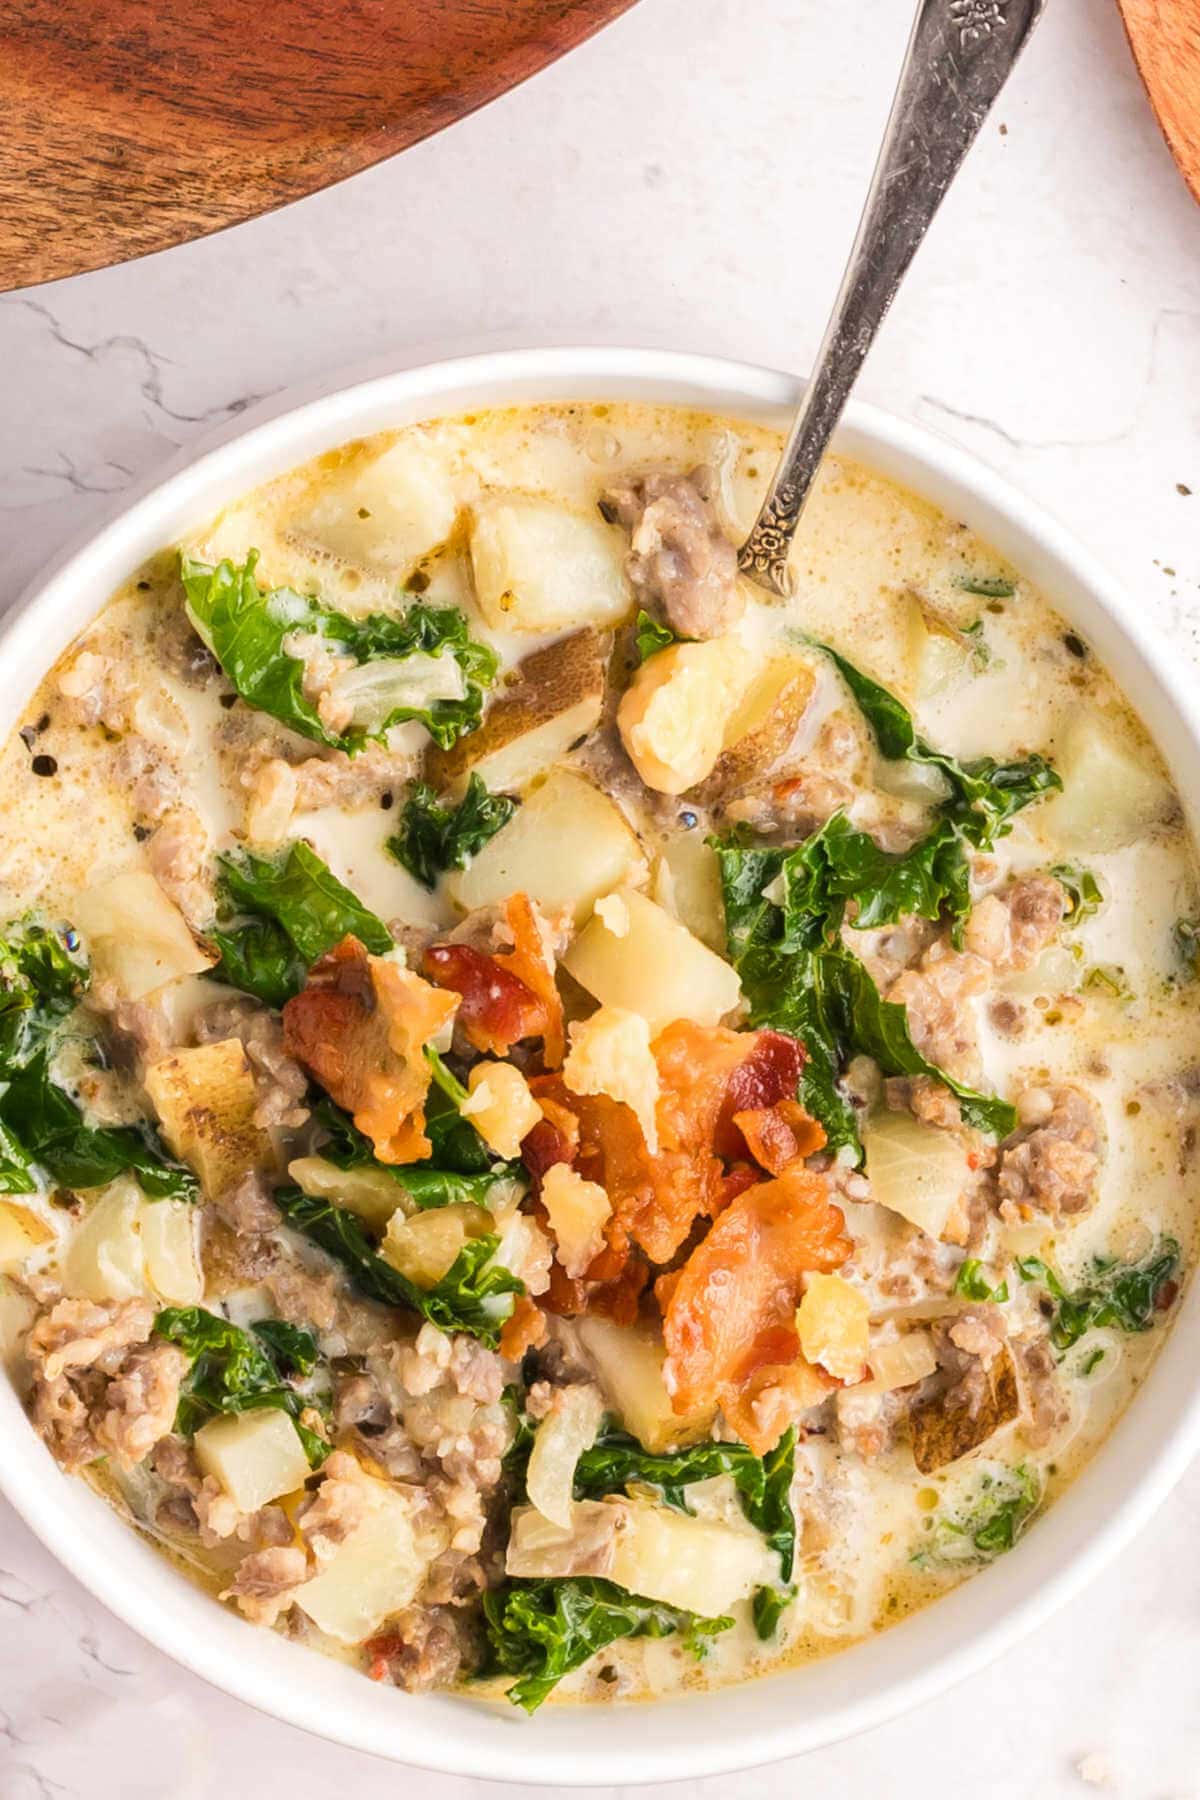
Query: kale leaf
[[456, 1143], [1122, 1294], [1003, 1508], [236, 1371], [988, 587], [768, 1607], [763, 1483], [294, 909], [783, 913], [651, 637], [246, 629], [41, 1128], [433, 837], [1084, 894], [475, 1295], [540, 1630], [42, 978], [427, 1186], [972, 1283], [984, 795]]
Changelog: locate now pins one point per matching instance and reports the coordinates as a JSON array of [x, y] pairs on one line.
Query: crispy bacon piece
[[532, 962], [779, 1135], [359, 1026], [616, 1296], [524, 1327], [770, 1073], [507, 996], [729, 1318]]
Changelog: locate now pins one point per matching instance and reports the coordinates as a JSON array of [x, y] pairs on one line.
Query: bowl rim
[[777, 1715]]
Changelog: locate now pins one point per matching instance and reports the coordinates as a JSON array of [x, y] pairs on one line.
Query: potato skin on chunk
[[953, 1424]]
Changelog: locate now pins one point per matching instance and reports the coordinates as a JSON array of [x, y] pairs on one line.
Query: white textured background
[[689, 178]]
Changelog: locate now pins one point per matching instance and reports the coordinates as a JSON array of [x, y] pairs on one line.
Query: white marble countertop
[[689, 178]]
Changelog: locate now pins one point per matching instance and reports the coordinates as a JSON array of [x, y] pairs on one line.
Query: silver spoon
[[959, 56]]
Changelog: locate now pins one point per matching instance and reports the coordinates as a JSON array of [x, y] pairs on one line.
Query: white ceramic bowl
[[780, 1715]]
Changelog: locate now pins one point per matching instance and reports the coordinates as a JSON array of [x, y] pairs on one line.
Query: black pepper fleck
[[141, 833], [387, 801], [417, 582], [43, 723], [143, 587], [607, 510], [1181, 487], [44, 765], [1075, 644], [228, 700]]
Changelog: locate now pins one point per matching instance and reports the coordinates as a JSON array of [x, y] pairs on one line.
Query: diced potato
[[675, 713], [938, 654], [540, 567], [17, 1313], [1112, 794], [899, 1364], [105, 1259], [547, 703], [375, 1573], [561, 1439], [136, 937], [577, 1210], [256, 1457], [21, 1233], [688, 884], [171, 1250], [1058, 970], [567, 844], [370, 1192], [610, 1054], [424, 1246], [761, 728], [205, 1099], [833, 1322], [385, 513], [652, 965], [915, 1169], [524, 1249], [629, 1362], [500, 1107], [699, 1564]]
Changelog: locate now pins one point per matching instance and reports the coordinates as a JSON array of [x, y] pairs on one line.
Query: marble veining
[[631, 194]]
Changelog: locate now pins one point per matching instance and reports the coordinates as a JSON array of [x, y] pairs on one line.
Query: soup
[[567, 1127]]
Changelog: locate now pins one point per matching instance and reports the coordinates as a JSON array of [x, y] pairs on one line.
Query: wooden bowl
[[129, 125]]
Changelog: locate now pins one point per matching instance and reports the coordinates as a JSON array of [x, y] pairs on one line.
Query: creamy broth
[[138, 754]]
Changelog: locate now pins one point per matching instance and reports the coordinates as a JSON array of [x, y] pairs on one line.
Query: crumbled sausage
[[1052, 1164], [1011, 928], [679, 558]]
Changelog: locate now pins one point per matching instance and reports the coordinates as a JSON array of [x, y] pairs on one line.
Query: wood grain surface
[[1165, 36], [129, 125]]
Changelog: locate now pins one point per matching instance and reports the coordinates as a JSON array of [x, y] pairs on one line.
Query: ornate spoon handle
[[959, 57]]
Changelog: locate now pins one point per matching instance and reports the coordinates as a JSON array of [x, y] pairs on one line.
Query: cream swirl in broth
[[564, 1126]]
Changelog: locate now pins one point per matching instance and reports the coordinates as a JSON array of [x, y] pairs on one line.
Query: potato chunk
[[500, 1107], [425, 1246], [256, 1457], [205, 1099], [564, 847], [761, 728], [674, 715], [550, 700], [1111, 795], [577, 1211], [610, 1054], [171, 1250], [540, 567], [833, 1322], [915, 1169], [633, 955], [370, 1192], [384, 512], [629, 1362], [700, 1564], [21, 1233], [375, 1573], [105, 1259], [136, 937]]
